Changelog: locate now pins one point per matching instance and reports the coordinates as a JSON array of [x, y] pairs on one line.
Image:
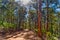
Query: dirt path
[[23, 35]]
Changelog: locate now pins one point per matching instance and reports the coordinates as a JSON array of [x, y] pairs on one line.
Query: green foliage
[[0, 22], [8, 19], [8, 25], [51, 36]]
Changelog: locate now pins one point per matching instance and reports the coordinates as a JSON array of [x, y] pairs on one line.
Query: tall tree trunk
[[39, 18], [47, 16]]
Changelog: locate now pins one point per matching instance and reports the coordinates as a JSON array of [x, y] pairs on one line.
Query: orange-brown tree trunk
[[39, 18]]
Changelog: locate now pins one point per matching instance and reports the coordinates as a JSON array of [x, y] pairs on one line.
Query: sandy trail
[[23, 35]]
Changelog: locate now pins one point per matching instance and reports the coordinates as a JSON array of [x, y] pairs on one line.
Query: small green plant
[[50, 36], [8, 26]]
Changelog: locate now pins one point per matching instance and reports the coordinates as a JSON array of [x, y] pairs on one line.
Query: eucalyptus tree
[[21, 16], [39, 17], [33, 17], [2, 9], [58, 23], [58, 15]]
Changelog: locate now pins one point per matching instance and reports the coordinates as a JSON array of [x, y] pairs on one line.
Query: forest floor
[[20, 35]]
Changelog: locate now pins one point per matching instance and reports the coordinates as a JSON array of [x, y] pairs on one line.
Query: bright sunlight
[[25, 2]]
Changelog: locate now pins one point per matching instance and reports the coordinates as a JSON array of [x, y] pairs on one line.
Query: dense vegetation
[[14, 17]]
